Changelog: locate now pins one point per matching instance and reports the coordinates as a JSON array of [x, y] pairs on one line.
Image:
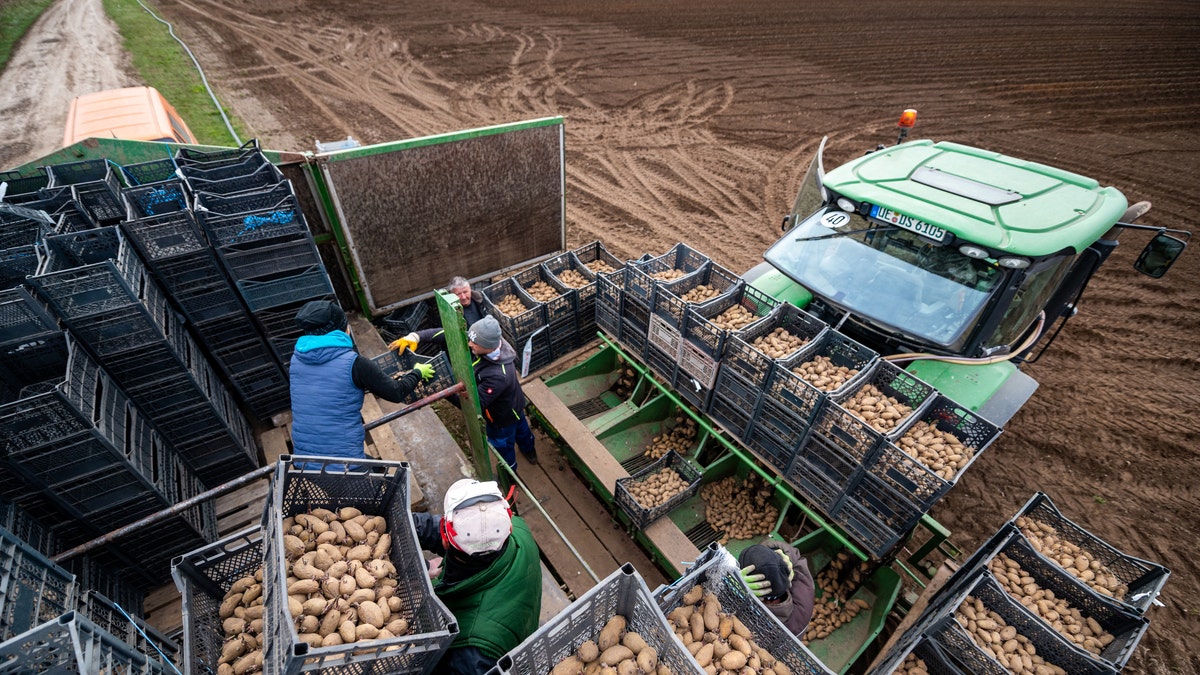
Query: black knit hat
[[768, 563], [320, 317]]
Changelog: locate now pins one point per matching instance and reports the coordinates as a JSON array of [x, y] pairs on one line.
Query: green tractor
[[957, 261]]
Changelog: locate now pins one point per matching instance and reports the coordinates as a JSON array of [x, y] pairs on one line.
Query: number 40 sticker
[[835, 219]]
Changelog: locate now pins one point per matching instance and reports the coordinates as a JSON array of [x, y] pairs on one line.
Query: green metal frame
[[455, 331]]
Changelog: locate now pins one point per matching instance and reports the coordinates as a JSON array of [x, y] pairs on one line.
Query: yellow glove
[[409, 341], [424, 370]]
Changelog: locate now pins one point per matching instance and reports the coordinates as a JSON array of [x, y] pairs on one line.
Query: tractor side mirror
[[1158, 256]]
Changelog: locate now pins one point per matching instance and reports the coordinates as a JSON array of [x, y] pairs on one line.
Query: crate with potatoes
[[931, 451], [725, 628], [1131, 581], [708, 325], [221, 588], [561, 303], [646, 276], [921, 656], [344, 579], [615, 627], [987, 631], [672, 299], [653, 491]]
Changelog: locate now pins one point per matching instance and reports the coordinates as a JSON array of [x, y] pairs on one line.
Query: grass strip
[[163, 64], [16, 16]]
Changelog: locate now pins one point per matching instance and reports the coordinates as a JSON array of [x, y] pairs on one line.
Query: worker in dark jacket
[[490, 574], [778, 575], [500, 394], [328, 381]]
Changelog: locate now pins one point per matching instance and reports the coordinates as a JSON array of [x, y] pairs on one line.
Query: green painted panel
[[779, 286], [971, 385]]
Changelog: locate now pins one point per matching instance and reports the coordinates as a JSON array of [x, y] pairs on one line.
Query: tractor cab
[[947, 251]]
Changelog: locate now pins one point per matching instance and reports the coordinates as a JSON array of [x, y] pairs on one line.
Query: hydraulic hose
[[976, 361]]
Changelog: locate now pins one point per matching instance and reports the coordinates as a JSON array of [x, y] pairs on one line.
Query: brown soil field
[[694, 121]]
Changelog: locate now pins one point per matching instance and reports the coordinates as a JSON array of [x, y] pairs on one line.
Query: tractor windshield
[[888, 275]]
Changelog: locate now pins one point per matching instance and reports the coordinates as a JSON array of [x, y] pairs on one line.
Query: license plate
[[908, 223]]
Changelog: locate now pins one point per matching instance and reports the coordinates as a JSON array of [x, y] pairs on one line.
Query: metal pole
[[458, 388], [772, 479], [232, 485]]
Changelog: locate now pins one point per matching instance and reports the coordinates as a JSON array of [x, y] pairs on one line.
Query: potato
[[568, 666], [611, 633], [588, 651], [615, 654]]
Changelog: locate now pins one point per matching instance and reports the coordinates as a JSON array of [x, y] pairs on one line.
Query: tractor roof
[[1019, 207]]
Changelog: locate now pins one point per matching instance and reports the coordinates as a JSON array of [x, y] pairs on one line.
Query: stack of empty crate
[[168, 239], [80, 454], [21, 229], [117, 312], [253, 222]]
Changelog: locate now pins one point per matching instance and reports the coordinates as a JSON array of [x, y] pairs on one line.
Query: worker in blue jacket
[[328, 383]]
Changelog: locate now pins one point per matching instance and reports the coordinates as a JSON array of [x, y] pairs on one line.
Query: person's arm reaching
[[368, 376]]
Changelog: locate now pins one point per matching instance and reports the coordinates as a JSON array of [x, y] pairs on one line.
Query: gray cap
[[485, 333]]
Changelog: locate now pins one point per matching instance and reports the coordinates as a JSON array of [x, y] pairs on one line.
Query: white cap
[[478, 519]]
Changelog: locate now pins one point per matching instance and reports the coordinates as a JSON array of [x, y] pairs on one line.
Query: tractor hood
[[1007, 204]]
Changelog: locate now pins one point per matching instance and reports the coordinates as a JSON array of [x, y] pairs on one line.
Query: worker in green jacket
[[490, 574]]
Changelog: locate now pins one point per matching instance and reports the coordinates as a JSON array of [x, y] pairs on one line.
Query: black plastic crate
[[640, 282], [261, 294], [17, 263], [33, 589], [271, 260], [154, 171], [967, 654], [777, 434], [876, 515], [635, 313], [124, 624], [244, 356], [84, 171], [203, 577], [101, 199], [393, 363], [23, 184], [215, 171], [623, 592], [610, 289], [87, 247], [23, 232], [1121, 622], [260, 178], [92, 289], [375, 488], [28, 529], [609, 322], [839, 349], [540, 354], [709, 338], [523, 324], [668, 301], [164, 236], [153, 200], [642, 516], [71, 218], [1143, 578], [408, 319], [217, 303], [854, 434], [717, 571], [734, 402], [900, 469], [190, 273], [273, 198], [661, 364], [567, 261], [186, 155], [751, 363], [562, 306], [72, 644], [257, 227], [564, 336], [936, 661], [22, 318], [633, 338], [590, 253]]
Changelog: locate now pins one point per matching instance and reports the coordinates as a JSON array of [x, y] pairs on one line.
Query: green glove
[[788, 560], [757, 583], [425, 370]]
